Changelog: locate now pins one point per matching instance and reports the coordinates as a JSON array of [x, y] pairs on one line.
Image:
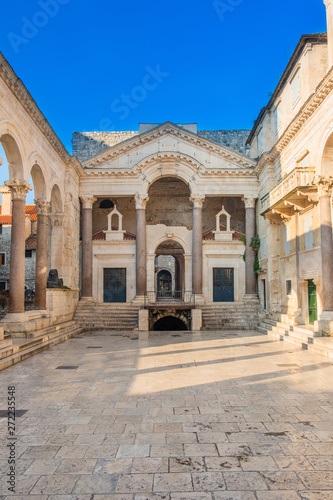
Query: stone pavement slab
[[200, 416]]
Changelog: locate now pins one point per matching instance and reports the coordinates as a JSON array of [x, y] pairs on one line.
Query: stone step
[[27, 348], [301, 336], [51, 329]]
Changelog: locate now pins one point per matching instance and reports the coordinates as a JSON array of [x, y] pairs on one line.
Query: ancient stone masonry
[[233, 139], [88, 144]]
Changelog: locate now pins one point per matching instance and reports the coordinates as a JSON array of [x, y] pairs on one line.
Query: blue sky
[[108, 65]]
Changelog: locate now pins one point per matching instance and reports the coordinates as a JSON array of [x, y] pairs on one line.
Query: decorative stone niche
[[116, 234], [225, 235]]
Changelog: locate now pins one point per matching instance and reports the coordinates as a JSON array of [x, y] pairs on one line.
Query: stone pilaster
[[198, 201], [41, 253], [87, 264], [250, 231], [329, 18], [325, 186], [17, 250], [141, 258]]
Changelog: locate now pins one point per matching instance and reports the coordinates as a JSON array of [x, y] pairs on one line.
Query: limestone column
[[325, 186], [17, 250], [41, 253], [141, 257], [250, 231], [87, 254], [198, 201]]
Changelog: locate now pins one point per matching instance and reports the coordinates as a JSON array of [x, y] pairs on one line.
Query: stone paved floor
[[176, 416]]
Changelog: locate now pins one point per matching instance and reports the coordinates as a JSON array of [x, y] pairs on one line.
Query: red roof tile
[[30, 210], [31, 243], [209, 235], [100, 235]]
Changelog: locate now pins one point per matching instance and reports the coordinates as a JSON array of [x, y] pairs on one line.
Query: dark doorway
[[312, 292], [223, 284], [115, 285], [164, 283], [169, 323]]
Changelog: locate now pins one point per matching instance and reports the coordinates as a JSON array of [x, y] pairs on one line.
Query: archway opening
[[169, 269], [169, 203], [327, 161], [169, 323]]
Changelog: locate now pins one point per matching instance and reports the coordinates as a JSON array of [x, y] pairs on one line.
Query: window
[[287, 240], [260, 145], [295, 88], [28, 254], [3, 285], [106, 204], [0, 228], [308, 231], [288, 287], [277, 118], [2, 259]]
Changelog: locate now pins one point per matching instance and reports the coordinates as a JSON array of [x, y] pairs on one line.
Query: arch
[[169, 164], [39, 183], [170, 323], [14, 157], [161, 239], [56, 200], [326, 160]]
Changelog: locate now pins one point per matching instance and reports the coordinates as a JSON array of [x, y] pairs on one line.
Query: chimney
[[6, 200], [329, 17]]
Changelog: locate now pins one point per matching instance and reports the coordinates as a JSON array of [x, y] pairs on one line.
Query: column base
[[91, 300], [326, 323], [20, 324], [139, 300], [199, 299], [251, 297]]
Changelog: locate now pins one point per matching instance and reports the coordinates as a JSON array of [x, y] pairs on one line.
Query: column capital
[[88, 200], [197, 200], [42, 206], [249, 201], [327, 3], [324, 184], [141, 201], [19, 189]]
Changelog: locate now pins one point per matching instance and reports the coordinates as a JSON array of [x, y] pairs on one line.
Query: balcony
[[169, 299], [295, 192]]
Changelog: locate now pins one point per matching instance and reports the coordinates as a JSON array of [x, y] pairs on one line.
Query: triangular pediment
[[166, 140]]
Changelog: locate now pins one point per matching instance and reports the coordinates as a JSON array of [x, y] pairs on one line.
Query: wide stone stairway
[[230, 316], [114, 317]]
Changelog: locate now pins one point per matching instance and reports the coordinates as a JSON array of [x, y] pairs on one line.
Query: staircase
[[230, 316], [114, 317], [303, 336], [13, 350]]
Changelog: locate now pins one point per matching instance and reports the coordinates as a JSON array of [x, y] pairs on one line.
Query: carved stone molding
[[141, 201], [42, 206], [19, 189], [249, 201], [325, 185], [88, 201], [57, 219], [197, 200]]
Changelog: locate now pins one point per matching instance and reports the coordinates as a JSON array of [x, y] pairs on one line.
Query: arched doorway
[[169, 323], [169, 269]]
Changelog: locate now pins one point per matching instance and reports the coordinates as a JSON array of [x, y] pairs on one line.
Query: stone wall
[[88, 144], [232, 139], [5, 248]]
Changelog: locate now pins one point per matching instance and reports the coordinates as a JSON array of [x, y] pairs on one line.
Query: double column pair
[[17, 251]]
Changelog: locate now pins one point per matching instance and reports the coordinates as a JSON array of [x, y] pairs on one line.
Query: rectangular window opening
[[288, 287]]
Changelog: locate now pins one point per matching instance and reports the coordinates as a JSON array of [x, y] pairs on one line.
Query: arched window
[[106, 204]]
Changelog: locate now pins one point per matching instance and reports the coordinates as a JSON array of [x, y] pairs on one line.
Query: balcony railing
[[298, 178], [169, 298]]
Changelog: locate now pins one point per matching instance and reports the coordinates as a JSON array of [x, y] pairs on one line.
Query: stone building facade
[[205, 198]]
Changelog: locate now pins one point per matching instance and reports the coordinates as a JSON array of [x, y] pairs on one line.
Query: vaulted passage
[[169, 323]]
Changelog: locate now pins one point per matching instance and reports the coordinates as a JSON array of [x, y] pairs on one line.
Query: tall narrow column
[[17, 249], [41, 253], [198, 201], [87, 265], [250, 231], [141, 257], [325, 185]]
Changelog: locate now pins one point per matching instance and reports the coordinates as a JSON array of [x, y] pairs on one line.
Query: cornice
[[18, 89], [168, 128], [305, 113]]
